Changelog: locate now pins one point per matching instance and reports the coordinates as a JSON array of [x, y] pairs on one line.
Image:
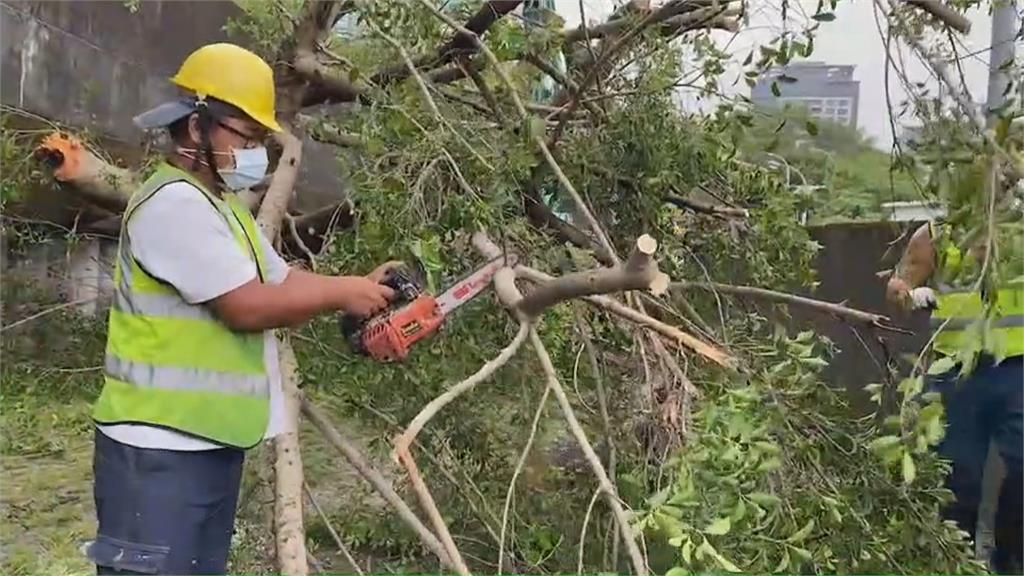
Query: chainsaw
[[414, 314]]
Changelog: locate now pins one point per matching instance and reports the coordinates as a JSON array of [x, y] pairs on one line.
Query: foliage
[[775, 481], [774, 472]]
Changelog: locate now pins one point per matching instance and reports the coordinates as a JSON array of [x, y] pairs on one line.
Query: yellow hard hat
[[234, 75]]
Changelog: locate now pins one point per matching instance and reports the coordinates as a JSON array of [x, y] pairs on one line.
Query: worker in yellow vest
[[191, 375], [985, 403]]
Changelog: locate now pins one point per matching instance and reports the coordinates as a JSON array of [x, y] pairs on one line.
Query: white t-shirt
[[178, 237]]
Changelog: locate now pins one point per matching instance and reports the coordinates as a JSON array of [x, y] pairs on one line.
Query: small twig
[[605, 484], [602, 394], [430, 507], [839, 310], [523, 115], [484, 89], [583, 530], [518, 470], [431, 104], [330, 528], [706, 208], [376, 480], [47, 311], [556, 75], [298, 240]]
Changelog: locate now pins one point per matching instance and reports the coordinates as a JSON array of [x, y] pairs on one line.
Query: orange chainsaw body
[[389, 337]]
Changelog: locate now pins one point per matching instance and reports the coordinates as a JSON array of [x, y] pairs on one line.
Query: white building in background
[[827, 91]]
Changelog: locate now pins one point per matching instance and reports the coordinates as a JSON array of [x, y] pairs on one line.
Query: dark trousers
[[163, 511], [986, 406]]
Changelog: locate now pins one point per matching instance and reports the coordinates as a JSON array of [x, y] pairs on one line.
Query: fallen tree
[[438, 165]]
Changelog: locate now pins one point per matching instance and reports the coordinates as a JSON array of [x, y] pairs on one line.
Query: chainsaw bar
[[467, 288]]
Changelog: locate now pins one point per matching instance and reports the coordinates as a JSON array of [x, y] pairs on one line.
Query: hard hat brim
[[164, 114]]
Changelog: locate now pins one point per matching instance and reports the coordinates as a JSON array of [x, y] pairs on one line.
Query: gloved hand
[[923, 298]]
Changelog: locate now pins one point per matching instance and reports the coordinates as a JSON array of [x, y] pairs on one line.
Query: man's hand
[[381, 271], [361, 296], [923, 298]]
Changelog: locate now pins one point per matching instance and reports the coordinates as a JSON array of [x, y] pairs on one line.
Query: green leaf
[[814, 361], [776, 90], [911, 387], [722, 561], [677, 571], [909, 469], [719, 527], [688, 551], [770, 464], [883, 443], [803, 553], [812, 128], [823, 17], [801, 534], [944, 364], [739, 511], [764, 499]]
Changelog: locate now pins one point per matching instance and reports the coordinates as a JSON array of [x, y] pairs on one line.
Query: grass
[[46, 499], [49, 377]]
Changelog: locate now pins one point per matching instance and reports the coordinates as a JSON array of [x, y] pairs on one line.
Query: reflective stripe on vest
[[958, 310], [173, 364]]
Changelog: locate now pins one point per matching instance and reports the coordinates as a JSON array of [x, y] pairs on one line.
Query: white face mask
[[250, 168]]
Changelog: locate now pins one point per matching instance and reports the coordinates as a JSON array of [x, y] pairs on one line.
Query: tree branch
[[405, 440], [838, 310], [508, 294], [330, 528], [98, 181], [282, 186], [943, 13], [459, 45], [605, 484], [375, 479], [430, 507], [706, 207], [639, 272]]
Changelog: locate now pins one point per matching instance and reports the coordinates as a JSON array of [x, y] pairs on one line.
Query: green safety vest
[[173, 364], [959, 309]]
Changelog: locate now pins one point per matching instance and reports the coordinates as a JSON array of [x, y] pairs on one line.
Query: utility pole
[[1005, 27]]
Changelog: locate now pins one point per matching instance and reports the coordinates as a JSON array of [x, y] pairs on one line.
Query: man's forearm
[[301, 297]]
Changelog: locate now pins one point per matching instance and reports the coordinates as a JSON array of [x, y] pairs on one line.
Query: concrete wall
[[95, 65], [91, 66], [846, 266]]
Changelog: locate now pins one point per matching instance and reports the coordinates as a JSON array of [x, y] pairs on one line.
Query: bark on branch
[[639, 272], [504, 284], [706, 208], [460, 44], [604, 483], [354, 457], [97, 180], [944, 14], [838, 310]]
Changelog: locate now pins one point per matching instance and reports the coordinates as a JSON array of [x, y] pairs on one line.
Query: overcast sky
[[852, 38]]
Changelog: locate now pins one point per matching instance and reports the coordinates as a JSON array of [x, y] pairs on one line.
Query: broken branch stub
[[97, 180], [639, 272]]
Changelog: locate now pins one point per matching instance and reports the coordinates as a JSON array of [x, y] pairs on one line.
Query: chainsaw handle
[[406, 290]]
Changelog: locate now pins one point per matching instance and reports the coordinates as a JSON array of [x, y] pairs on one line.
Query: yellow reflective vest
[[958, 310], [173, 364]]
